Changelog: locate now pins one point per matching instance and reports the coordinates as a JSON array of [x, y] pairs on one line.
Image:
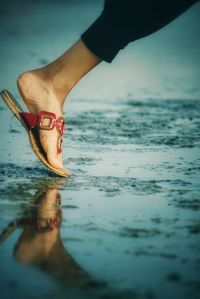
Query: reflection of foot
[[43, 248], [41, 233], [38, 95], [49, 212]]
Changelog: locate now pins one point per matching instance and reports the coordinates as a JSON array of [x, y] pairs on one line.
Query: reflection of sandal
[[45, 225], [46, 121]]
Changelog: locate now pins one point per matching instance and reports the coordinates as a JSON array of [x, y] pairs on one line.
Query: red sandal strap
[[47, 121], [30, 119]]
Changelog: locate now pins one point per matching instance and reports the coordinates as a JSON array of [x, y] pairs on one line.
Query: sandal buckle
[[47, 120]]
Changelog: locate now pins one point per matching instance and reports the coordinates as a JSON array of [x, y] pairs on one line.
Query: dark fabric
[[123, 21]]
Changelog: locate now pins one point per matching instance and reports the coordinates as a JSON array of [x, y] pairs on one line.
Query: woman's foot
[[39, 95], [46, 89]]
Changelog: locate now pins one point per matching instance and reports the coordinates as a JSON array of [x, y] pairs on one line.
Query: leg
[[47, 88], [124, 21]]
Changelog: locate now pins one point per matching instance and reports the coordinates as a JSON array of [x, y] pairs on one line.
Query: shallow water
[[126, 223], [130, 212]]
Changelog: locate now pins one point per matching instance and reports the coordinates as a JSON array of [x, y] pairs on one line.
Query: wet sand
[[127, 225]]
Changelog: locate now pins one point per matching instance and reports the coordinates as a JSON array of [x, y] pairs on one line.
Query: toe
[[48, 141], [60, 159], [54, 160]]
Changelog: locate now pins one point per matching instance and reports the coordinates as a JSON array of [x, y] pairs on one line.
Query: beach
[[127, 220]]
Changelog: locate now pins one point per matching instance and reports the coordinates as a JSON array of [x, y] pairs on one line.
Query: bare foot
[[38, 95]]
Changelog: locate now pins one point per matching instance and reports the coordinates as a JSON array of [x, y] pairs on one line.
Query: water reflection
[[40, 244]]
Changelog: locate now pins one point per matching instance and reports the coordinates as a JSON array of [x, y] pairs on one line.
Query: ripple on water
[[12, 170], [172, 123], [113, 185]]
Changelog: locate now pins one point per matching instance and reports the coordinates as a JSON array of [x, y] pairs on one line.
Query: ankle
[[61, 86]]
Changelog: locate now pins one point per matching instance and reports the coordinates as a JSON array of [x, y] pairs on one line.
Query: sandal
[[31, 122]]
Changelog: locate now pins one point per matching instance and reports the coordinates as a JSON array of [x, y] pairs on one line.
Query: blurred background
[[165, 64]]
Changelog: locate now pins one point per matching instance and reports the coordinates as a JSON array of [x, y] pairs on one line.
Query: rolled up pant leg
[[123, 21]]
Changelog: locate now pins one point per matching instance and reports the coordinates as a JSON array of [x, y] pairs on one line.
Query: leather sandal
[[32, 123]]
